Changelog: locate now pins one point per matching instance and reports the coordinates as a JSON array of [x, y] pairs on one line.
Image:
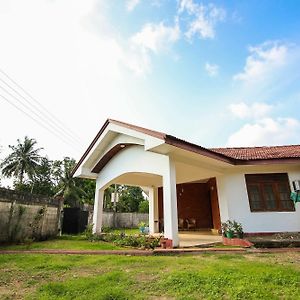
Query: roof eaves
[[174, 141], [90, 146], [153, 133]]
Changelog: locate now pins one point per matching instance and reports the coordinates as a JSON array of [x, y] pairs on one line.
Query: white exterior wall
[[131, 160], [234, 203], [135, 159]]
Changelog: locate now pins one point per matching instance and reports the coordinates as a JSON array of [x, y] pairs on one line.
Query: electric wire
[[36, 115], [37, 121], [29, 108], [47, 113]]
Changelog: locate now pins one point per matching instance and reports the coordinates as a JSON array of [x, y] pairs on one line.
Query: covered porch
[[186, 213], [180, 179]]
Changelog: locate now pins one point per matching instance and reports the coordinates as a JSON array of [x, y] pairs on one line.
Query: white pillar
[[98, 210], [153, 210], [170, 204]]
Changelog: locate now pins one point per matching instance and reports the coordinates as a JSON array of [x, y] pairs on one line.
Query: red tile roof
[[255, 153], [233, 156]]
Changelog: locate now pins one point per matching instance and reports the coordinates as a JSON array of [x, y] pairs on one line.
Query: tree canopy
[[33, 173], [23, 160]]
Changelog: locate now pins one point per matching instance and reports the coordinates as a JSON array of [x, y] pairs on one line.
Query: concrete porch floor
[[197, 238]]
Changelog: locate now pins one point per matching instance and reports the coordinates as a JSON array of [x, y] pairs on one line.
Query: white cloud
[[187, 5], [151, 39], [156, 37], [202, 18], [263, 61], [157, 3], [212, 69], [250, 111], [74, 63], [267, 131], [131, 4]]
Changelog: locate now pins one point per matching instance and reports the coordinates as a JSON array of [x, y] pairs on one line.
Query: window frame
[[261, 181]]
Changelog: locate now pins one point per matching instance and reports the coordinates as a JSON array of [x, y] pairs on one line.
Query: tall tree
[[41, 182], [130, 198], [68, 186], [23, 160]]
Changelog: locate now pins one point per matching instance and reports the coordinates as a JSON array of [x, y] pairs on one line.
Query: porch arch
[[158, 169]]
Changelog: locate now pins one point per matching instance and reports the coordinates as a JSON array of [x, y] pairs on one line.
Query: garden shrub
[[121, 239]]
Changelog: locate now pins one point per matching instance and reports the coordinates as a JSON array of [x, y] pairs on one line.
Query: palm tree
[[68, 187], [23, 159]]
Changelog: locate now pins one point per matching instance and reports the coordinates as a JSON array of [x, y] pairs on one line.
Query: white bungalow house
[[184, 180]]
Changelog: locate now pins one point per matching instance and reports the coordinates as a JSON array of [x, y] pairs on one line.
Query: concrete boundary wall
[[123, 220], [25, 216]]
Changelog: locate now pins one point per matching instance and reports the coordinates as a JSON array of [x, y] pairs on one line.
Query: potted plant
[[238, 229], [144, 228], [228, 229], [224, 228]]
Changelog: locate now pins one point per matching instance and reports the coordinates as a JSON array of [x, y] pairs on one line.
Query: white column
[[153, 210], [222, 188], [98, 210], [170, 204]]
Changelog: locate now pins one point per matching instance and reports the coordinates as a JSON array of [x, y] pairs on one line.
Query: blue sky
[[217, 73]]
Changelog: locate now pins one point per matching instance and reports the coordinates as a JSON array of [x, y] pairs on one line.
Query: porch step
[[202, 245]]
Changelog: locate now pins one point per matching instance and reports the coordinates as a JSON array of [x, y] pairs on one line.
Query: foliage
[[23, 160], [143, 224], [36, 224], [67, 185], [129, 199], [121, 239], [238, 229], [41, 183], [232, 228], [106, 229], [88, 186], [144, 206], [88, 233], [14, 231], [42, 176]]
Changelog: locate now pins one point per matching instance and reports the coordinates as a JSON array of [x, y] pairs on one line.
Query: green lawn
[[71, 242], [65, 242], [207, 276], [127, 230]]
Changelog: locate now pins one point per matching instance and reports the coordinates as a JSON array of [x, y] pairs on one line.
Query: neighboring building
[[184, 180]]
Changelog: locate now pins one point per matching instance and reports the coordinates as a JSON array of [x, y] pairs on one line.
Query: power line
[[32, 111], [46, 117], [35, 120], [60, 125]]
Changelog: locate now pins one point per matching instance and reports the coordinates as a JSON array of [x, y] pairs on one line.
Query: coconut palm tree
[[22, 161], [68, 187]]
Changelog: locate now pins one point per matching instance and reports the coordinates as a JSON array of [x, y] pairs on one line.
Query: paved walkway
[[158, 251], [198, 238]]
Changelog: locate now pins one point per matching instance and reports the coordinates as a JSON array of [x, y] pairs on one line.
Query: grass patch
[[214, 276], [65, 242], [72, 242], [238, 281], [114, 285], [128, 231]]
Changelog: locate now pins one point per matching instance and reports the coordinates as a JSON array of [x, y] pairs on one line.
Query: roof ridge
[[230, 154], [255, 147], [156, 133]]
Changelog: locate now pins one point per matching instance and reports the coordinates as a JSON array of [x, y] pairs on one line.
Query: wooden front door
[[193, 201]]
